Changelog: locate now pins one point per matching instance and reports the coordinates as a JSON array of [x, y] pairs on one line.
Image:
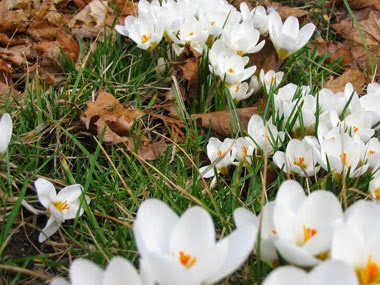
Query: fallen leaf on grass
[[266, 58], [93, 15], [220, 122], [186, 70], [354, 76], [107, 113], [369, 23]]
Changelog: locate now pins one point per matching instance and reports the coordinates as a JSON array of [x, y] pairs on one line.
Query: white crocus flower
[[370, 102], [221, 155], [119, 271], [144, 33], [329, 101], [59, 207], [331, 272], [5, 132], [257, 16], [340, 154], [244, 150], [372, 154], [192, 32], [265, 136], [270, 79], [299, 158], [268, 234], [356, 241], [228, 65], [240, 91], [374, 187], [303, 231], [287, 37], [242, 38], [359, 123], [183, 250]]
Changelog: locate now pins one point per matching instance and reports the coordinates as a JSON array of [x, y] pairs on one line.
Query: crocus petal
[[153, 226], [83, 271], [51, 227], [240, 244], [70, 193], [59, 281], [332, 272], [286, 275], [348, 245], [295, 254], [45, 191], [194, 233], [210, 173], [120, 271], [168, 271], [5, 131], [243, 216]]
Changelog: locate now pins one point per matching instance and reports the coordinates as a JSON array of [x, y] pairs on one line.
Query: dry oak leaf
[[369, 23], [106, 112], [187, 67], [354, 76], [220, 122], [93, 15], [285, 11]]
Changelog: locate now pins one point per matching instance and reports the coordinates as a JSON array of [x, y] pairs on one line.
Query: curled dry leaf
[[107, 113], [186, 70], [93, 15], [354, 76], [369, 23], [220, 122]]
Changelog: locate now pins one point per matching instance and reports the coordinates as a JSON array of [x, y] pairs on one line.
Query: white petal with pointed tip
[[153, 225]]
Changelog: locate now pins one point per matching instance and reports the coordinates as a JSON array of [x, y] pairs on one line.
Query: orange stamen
[[343, 157], [212, 23], [61, 205], [308, 233], [355, 129], [231, 70], [186, 259], [146, 38], [219, 153], [371, 152]]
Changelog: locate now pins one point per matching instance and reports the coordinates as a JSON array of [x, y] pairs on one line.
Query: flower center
[[146, 38], [237, 88], [377, 193], [370, 274], [186, 259], [244, 150], [300, 162], [212, 23], [343, 158], [219, 152], [356, 129], [308, 233], [191, 34], [231, 70], [61, 205], [371, 152]]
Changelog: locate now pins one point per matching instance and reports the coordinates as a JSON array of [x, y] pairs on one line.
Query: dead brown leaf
[[148, 151], [334, 49], [369, 23], [354, 76], [186, 70], [266, 58], [107, 113], [92, 15], [220, 122]]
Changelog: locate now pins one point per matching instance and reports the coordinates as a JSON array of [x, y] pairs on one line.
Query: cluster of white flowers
[[308, 230], [338, 135], [219, 28], [173, 250]]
